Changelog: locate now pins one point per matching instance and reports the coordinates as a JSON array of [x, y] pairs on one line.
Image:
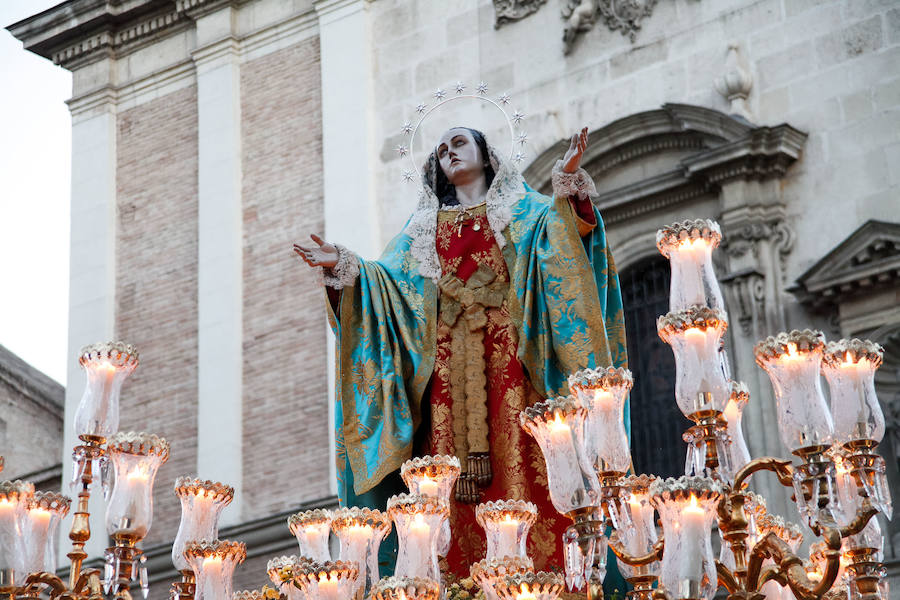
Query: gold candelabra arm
[[783, 469], [727, 578], [863, 515], [35, 581], [790, 566], [636, 561]]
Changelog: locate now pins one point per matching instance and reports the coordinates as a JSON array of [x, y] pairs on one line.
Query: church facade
[[209, 135]]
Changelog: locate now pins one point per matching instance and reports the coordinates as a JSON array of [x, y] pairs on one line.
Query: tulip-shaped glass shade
[[213, 564], [202, 502], [406, 588], [687, 508], [530, 586], [418, 521], [639, 538], [135, 459], [15, 497], [488, 572], [312, 528], [695, 335], [106, 365], [688, 246], [849, 366], [792, 361], [738, 453], [433, 476], [558, 427], [38, 525], [506, 524], [328, 580], [360, 532], [284, 573], [604, 391]]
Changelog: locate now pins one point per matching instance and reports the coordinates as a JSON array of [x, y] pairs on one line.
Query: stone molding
[[509, 11], [868, 259], [618, 15], [727, 149]]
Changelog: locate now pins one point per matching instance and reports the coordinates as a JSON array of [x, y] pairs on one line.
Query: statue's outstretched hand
[[322, 254], [572, 159]]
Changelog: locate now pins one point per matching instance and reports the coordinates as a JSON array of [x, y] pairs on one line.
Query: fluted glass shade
[[135, 458], [849, 366], [792, 361], [360, 532], [738, 453], [213, 564], [15, 497], [418, 522], [38, 525], [687, 508], [202, 501], [488, 572], [312, 528], [558, 427], [433, 476], [604, 391], [688, 246], [406, 588], [106, 365], [506, 524], [530, 586], [639, 538]]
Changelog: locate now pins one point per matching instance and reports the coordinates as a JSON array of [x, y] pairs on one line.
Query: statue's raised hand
[[572, 159], [322, 254]]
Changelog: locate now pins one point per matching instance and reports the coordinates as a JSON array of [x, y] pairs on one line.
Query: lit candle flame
[[557, 424]]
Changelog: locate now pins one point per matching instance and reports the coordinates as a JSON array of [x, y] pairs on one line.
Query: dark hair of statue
[[446, 191]]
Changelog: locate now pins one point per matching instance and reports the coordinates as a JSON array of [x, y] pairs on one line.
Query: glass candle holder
[[433, 476], [360, 532], [792, 361], [312, 528], [214, 564], [738, 453], [849, 366], [558, 427], [687, 508], [639, 538], [15, 497], [328, 580], [418, 522], [106, 365], [688, 246], [406, 588], [202, 502], [539, 585], [488, 572], [695, 335], [37, 527], [284, 573], [506, 524], [604, 391], [135, 459]]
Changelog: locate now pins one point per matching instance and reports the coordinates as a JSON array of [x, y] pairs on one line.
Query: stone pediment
[[869, 258]]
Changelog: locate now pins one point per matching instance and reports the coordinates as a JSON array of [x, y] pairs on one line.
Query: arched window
[[656, 422]]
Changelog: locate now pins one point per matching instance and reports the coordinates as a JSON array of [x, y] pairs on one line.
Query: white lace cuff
[[345, 272], [578, 183]]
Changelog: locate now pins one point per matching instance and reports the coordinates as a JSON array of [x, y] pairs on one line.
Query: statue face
[[460, 157]]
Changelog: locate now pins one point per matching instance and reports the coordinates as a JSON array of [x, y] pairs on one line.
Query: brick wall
[[156, 283], [285, 379]]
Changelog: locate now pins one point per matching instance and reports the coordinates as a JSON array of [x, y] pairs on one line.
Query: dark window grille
[[656, 422]]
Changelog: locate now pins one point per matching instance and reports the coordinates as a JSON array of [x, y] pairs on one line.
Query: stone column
[[220, 302], [756, 240], [92, 266], [348, 149]]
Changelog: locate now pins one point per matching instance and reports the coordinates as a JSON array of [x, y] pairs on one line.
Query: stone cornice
[[868, 259]]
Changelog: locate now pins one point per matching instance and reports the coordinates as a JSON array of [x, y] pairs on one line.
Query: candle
[[526, 595], [693, 522], [328, 588], [420, 538], [508, 537], [634, 539], [428, 486], [212, 582], [690, 256], [604, 400]]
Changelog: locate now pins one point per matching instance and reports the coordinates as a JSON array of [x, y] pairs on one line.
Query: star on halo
[[522, 138], [402, 150], [504, 99], [439, 94], [421, 108], [482, 88], [407, 127], [407, 176], [460, 88], [517, 117], [519, 157]]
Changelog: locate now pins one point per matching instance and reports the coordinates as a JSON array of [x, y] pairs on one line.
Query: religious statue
[[490, 296]]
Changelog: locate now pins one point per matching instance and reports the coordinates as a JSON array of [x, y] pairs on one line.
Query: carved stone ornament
[[622, 15], [507, 11]]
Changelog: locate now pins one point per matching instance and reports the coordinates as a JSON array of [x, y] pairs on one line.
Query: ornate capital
[[507, 11], [621, 15]]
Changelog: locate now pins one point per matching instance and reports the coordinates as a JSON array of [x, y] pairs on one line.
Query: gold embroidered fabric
[[463, 310]]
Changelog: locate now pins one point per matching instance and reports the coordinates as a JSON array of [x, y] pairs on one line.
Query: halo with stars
[[441, 97]]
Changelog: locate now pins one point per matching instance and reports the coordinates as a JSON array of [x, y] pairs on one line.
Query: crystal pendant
[[106, 474], [108, 573], [144, 579], [725, 470], [78, 466], [875, 486], [573, 559]]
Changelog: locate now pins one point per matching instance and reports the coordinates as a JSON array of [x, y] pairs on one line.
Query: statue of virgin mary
[[488, 298]]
